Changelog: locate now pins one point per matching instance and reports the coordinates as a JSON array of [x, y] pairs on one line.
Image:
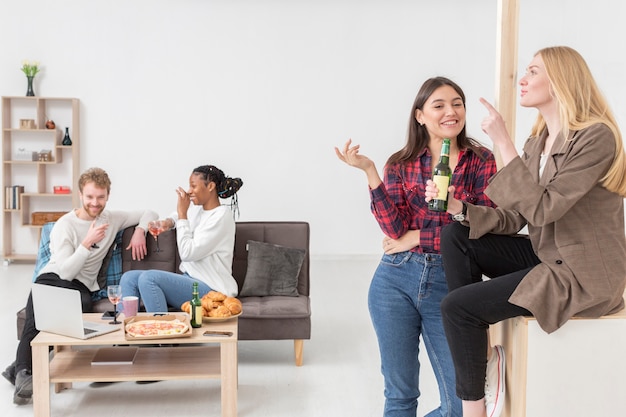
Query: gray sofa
[[273, 317]]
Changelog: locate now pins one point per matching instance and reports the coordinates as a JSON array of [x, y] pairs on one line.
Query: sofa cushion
[[276, 307], [167, 259], [111, 271], [272, 270], [43, 254]]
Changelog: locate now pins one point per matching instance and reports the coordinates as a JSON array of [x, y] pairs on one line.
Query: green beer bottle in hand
[[441, 176]]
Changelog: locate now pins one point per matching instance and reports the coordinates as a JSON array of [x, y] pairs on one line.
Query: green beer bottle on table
[[196, 307], [441, 176]]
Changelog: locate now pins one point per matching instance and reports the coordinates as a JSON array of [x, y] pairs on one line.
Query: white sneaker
[[494, 382]]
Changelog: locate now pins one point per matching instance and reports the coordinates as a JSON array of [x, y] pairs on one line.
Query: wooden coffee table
[[213, 357]]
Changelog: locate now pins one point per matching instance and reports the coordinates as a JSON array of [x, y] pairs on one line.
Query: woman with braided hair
[[206, 240]]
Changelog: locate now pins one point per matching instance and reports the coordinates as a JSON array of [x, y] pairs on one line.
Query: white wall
[[264, 89]]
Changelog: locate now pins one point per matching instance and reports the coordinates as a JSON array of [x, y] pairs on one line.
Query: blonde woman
[[568, 188]]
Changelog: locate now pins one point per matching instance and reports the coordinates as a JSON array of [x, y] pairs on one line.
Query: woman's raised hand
[[494, 126], [351, 156], [183, 203]]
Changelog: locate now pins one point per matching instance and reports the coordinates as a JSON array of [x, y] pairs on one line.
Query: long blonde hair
[[581, 104]]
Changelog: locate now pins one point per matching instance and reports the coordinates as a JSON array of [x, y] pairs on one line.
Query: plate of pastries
[[216, 306]]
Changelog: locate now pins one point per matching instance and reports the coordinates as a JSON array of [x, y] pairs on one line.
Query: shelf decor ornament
[[66, 139], [30, 68]]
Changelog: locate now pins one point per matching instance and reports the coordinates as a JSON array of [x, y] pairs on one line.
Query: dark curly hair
[[225, 186]]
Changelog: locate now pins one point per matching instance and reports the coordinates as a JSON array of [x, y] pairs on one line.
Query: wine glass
[[114, 292], [100, 220], [155, 228]]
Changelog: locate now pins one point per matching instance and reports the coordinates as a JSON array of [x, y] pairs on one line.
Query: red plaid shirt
[[399, 202]]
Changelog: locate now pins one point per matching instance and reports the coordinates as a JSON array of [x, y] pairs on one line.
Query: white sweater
[[69, 259], [206, 242]]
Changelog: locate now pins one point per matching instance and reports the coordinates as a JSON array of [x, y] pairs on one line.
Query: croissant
[[216, 296], [233, 305], [186, 307], [207, 303], [220, 311]]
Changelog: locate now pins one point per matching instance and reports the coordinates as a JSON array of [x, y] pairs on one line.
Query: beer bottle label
[[442, 181]]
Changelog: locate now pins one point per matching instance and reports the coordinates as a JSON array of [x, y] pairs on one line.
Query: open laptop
[[59, 310]]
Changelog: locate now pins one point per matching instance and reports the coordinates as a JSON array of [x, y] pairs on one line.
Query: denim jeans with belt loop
[[404, 303]]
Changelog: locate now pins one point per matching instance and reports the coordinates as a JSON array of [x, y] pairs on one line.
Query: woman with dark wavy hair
[[206, 241], [409, 283]]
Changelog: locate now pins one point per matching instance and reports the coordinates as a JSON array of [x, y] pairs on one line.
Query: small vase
[[29, 91], [66, 139]]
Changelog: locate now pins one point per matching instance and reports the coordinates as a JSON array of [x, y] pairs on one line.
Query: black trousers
[[24, 356], [473, 304]]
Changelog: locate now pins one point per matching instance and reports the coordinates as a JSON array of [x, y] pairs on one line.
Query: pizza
[[150, 328]]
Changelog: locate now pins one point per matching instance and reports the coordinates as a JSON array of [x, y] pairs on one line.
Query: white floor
[[340, 375]]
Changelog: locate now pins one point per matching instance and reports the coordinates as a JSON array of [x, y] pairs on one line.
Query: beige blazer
[[576, 226]]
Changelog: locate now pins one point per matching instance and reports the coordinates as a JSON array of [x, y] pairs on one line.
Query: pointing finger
[[488, 106]]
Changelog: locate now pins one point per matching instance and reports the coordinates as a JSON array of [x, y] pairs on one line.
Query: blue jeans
[[160, 289], [404, 303]]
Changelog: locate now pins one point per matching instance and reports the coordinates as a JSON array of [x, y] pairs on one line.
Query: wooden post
[[506, 64], [505, 101]]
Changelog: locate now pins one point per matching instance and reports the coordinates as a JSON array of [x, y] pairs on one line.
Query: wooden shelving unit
[[24, 164]]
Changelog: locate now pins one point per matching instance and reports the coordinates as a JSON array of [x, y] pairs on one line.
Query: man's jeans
[[404, 303]]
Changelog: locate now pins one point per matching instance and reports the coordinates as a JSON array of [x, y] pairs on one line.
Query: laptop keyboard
[[88, 331]]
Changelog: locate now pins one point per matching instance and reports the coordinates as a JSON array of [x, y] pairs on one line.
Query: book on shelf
[[12, 198]]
